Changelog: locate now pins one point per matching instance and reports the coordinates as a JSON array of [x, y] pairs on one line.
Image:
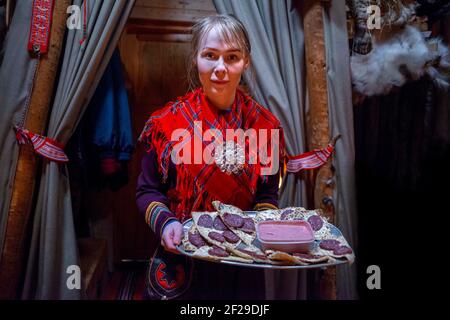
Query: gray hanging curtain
[[53, 245], [279, 84], [16, 76], [341, 122], [2, 30], [277, 81]]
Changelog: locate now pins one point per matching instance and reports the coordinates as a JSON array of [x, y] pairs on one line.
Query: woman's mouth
[[220, 82]]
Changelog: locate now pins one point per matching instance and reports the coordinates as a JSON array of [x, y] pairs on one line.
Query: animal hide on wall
[[393, 13], [406, 55]]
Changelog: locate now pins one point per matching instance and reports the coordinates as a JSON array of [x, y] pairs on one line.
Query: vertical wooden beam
[[318, 130], [12, 262]]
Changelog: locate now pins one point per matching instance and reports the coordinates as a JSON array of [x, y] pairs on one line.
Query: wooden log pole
[[12, 263], [317, 124]]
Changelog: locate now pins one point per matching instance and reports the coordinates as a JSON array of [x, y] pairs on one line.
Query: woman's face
[[220, 67]]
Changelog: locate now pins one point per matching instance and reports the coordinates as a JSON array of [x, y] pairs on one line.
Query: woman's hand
[[171, 236]]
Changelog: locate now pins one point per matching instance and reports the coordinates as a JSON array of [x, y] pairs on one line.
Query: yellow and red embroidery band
[[264, 206], [157, 216], [41, 22]]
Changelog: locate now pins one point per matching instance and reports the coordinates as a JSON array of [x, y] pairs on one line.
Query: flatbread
[[349, 256], [266, 215], [311, 259], [293, 213], [224, 209], [251, 252], [188, 246], [206, 231], [284, 257], [203, 253]]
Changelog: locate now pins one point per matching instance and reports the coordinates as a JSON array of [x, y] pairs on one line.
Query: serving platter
[[334, 231]]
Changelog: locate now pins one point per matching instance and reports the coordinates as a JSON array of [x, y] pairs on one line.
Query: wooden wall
[[154, 49], [172, 10]]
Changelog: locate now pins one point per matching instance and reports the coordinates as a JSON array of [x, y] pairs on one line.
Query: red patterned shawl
[[199, 184]]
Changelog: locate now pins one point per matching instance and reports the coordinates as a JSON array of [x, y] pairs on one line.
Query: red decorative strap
[[311, 159], [41, 22], [46, 147]]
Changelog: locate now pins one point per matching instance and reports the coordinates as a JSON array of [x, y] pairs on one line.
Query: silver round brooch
[[230, 157]]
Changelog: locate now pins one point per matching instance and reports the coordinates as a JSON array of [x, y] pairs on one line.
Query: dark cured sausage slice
[[249, 225], [218, 224], [196, 239], [230, 236], [218, 252], [316, 222], [285, 213], [329, 244], [216, 236], [342, 250], [205, 220], [233, 220]]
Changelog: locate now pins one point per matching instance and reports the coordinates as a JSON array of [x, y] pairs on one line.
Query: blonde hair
[[230, 29]]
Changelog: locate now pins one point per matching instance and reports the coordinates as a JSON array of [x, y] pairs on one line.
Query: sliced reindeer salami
[[196, 239], [218, 252], [233, 220], [285, 214], [316, 222], [218, 224], [249, 225], [230, 236], [216, 236], [342, 250], [205, 220], [329, 244]]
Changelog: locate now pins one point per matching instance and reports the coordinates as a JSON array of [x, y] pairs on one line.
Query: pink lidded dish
[[285, 235]]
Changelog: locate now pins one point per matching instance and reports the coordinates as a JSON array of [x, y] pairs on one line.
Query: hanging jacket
[[110, 119], [104, 138]]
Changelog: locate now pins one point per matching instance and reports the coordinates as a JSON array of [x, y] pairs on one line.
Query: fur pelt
[[393, 12], [392, 62], [439, 69]]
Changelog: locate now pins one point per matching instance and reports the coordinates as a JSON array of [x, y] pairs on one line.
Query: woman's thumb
[[177, 235]]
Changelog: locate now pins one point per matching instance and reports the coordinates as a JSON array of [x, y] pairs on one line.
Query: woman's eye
[[209, 55], [232, 57]]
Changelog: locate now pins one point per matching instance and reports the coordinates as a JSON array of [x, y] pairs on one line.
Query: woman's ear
[[246, 63]]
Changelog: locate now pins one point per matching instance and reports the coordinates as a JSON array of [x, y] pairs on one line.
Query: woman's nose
[[219, 68]]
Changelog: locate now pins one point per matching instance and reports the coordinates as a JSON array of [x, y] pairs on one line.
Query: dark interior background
[[403, 171]]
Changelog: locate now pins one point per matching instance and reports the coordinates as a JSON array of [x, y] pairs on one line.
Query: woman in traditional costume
[[173, 184]]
